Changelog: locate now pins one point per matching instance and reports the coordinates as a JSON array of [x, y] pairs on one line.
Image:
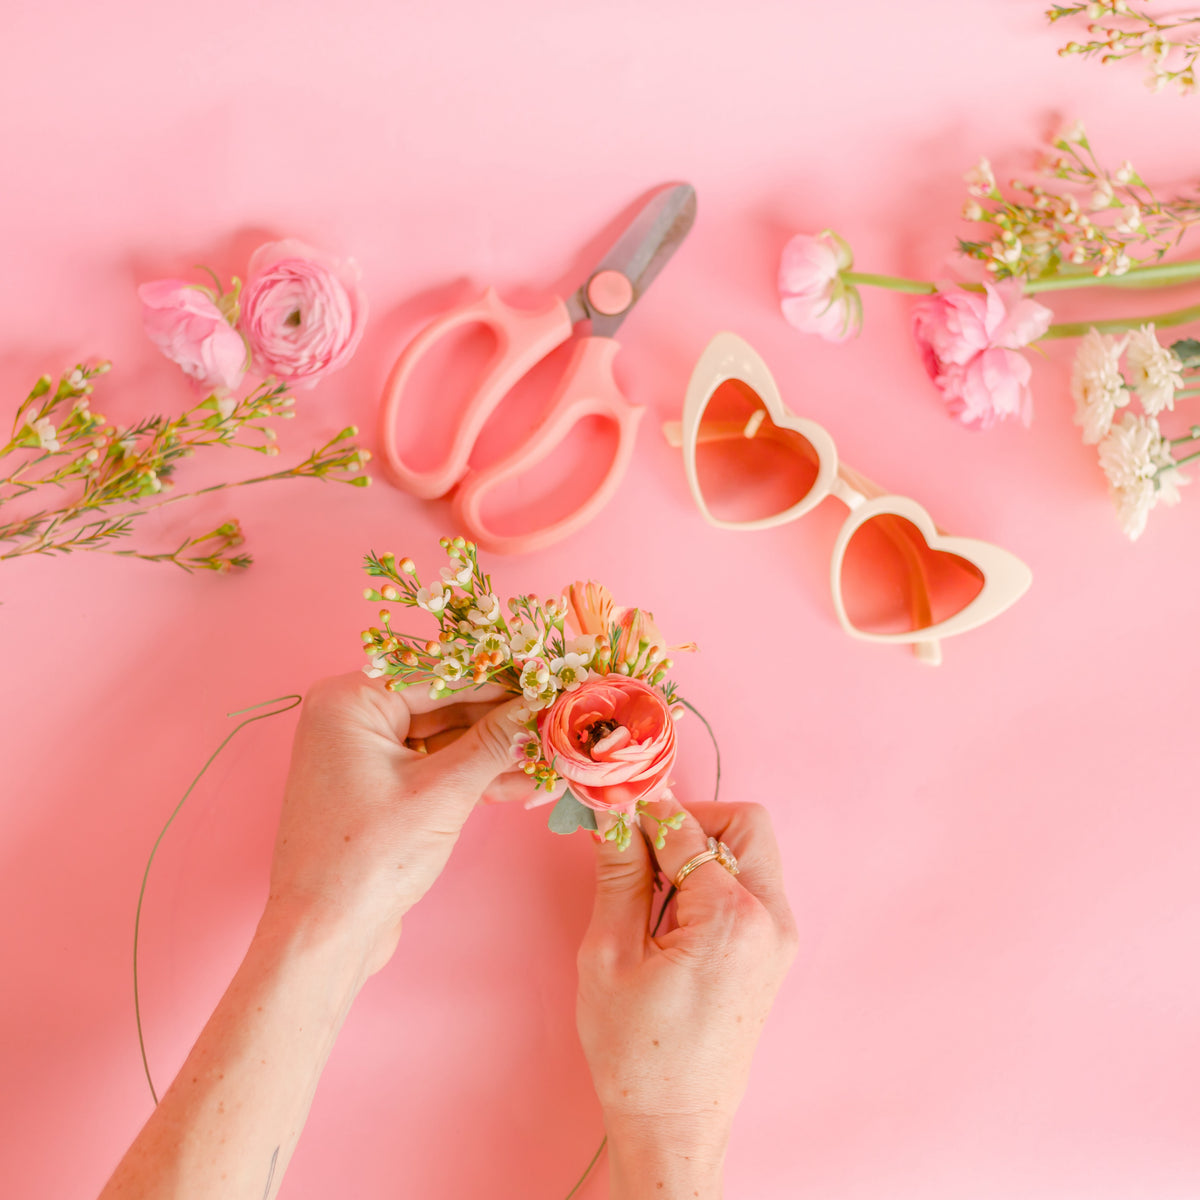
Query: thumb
[[467, 765], [624, 890]]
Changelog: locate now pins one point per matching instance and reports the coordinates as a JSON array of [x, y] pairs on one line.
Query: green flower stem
[[1155, 275], [894, 283], [1187, 458], [1185, 392], [1069, 329]]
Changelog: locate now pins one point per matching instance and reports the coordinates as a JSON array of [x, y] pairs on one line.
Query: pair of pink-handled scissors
[[523, 339]]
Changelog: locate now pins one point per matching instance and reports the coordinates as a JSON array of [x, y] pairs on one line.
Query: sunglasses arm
[[928, 650]]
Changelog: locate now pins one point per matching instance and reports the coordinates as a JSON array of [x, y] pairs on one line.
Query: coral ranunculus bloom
[[612, 740]]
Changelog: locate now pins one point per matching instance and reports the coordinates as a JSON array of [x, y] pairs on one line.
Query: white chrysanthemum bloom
[[47, 434], [460, 574], [526, 641], [1141, 471], [433, 599], [1133, 505], [450, 669], [569, 671], [1097, 384], [486, 610], [375, 667], [1155, 371]]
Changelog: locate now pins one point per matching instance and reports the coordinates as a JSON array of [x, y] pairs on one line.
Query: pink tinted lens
[[748, 467], [892, 582]]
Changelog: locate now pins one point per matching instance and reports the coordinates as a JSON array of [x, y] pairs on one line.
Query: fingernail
[[596, 837]]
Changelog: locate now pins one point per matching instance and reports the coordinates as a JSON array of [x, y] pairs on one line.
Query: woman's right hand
[[669, 1024]]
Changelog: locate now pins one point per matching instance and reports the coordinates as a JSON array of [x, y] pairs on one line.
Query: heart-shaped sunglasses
[[752, 464]]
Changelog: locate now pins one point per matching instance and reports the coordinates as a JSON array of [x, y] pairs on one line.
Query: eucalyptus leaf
[[569, 815], [1188, 350]]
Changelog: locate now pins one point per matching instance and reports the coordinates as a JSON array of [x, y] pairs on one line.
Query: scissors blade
[[641, 252]]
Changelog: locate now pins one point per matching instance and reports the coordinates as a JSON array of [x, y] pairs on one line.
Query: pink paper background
[[993, 862]]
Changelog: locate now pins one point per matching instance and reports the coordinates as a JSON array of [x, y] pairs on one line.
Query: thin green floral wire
[[137, 919]]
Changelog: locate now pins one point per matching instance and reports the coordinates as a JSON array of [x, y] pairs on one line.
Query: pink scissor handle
[[587, 389], [523, 338]]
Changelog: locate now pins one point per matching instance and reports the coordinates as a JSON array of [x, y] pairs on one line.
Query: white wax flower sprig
[[71, 480], [1168, 43], [597, 709]]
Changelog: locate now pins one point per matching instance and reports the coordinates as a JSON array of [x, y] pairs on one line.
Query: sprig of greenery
[[98, 479]]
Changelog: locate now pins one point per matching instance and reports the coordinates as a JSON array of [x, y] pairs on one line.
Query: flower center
[[293, 318], [598, 732]]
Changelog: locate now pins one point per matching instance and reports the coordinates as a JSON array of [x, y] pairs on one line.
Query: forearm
[[228, 1124]]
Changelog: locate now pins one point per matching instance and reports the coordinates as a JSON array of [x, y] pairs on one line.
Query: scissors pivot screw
[[609, 292]]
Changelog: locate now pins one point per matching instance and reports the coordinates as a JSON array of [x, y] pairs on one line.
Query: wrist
[[664, 1159], [297, 929]]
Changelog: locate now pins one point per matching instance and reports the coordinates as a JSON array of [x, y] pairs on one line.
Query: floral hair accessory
[[599, 711]]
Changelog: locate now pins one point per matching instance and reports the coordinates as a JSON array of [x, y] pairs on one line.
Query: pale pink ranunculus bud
[[303, 312], [970, 343], [812, 294], [186, 324]]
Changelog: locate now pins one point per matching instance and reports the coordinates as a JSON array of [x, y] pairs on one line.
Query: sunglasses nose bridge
[[850, 496]]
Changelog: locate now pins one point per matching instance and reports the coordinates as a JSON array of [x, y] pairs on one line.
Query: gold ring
[[717, 852]]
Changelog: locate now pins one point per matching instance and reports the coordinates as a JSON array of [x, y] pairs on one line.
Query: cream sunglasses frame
[[1005, 577]]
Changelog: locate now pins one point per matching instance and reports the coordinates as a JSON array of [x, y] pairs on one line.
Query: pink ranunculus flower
[[612, 740], [186, 324], [812, 294], [302, 311], [970, 344]]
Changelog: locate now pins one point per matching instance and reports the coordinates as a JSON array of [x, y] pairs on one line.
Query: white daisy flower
[[1155, 371], [526, 641], [569, 671], [1097, 384], [433, 599]]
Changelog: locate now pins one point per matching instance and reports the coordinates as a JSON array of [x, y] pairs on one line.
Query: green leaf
[[1188, 350], [569, 815]]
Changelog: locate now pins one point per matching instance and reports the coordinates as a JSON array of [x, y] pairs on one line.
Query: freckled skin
[[703, 982]]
